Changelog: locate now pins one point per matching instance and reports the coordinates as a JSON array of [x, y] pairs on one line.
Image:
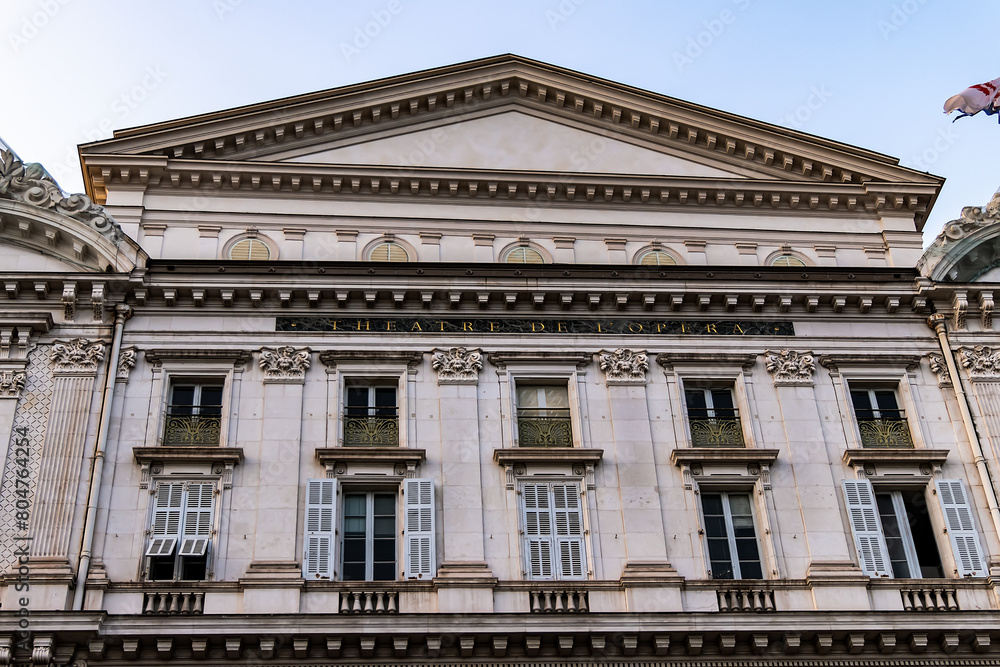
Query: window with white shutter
[[321, 501], [961, 528], [552, 520], [418, 527], [180, 535], [866, 527]]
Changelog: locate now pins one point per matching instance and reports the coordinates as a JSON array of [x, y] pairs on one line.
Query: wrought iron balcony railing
[[371, 430], [885, 432], [184, 428], [548, 427], [716, 432]]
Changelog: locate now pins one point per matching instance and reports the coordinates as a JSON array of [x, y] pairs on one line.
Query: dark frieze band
[[429, 325]]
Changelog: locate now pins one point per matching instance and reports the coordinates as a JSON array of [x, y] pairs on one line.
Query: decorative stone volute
[[790, 368], [79, 355], [940, 368], [458, 365], [11, 383], [623, 366], [126, 362], [284, 364], [981, 362]]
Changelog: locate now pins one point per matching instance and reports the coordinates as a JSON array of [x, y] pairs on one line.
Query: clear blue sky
[[873, 73]]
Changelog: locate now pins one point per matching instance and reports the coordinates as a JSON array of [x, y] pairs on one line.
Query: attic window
[[657, 258], [389, 252], [524, 255], [250, 248], [787, 260]]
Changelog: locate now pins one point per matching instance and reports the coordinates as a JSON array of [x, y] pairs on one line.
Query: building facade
[[494, 363]]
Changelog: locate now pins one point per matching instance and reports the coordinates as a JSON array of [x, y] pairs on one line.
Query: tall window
[[543, 416], [552, 520], [180, 534], [732, 540], [881, 422], [371, 415], [894, 535], [713, 417], [369, 543], [366, 547], [194, 414]]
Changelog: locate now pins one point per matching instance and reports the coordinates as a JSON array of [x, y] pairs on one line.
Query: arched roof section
[[967, 248]]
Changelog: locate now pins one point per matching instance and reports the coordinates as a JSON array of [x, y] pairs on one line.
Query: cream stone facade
[[495, 363]]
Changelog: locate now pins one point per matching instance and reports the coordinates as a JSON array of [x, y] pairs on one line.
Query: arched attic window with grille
[[388, 251], [524, 254]]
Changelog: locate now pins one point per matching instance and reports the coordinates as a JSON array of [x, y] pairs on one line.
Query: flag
[[972, 100]]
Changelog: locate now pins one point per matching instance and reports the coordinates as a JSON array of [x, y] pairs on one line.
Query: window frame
[[197, 406], [268, 242], [369, 494], [373, 247], [374, 382], [525, 247], [553, 538], [209, 549], [734, 560], [871, 386], [645, 252], [542, 383], [179, 367], [708, 385]]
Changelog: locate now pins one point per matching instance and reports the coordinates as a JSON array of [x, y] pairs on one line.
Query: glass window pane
[[722, 401], [354, 571], [182, 395], [712, 504], [556, 397], [862, 404], [751, 570], [695, 400], [384, 550], [892, 533], [924, 542], [385, 397], [357, 396], [527, 396], [384, 571], [739, 505]]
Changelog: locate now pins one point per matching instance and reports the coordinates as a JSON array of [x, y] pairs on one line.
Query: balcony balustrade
[[885, 431], [745, 599], [185, 428], [367, 430], [559, 601], [716, 431], [929, 599], [369, 602], [173, 602], [544, 427]]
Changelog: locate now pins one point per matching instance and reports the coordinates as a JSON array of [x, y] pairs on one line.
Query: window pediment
[[383, 461]]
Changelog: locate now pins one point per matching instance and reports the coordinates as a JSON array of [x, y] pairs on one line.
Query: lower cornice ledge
[[273, 574]]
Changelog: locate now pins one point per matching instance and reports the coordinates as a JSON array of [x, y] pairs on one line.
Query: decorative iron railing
[[716, 432], [544, 428], [369, 430], [885, 432], [184, 428], [369, 602]]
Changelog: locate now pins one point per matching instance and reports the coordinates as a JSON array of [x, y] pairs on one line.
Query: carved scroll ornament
[[457, 365], [790, 367], [79, 355], [284, 363], [11, 383], [623, 366], [981, 362]]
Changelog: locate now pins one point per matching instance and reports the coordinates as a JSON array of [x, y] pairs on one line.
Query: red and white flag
[[972, 100]]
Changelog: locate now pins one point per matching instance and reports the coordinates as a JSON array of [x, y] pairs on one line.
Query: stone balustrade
[[559, 601], [369, 602], [745, 599], [173, 602], [929, 599]]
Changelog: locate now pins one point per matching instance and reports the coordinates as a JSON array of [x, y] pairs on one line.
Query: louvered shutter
[[166, 528], [866, 526], [418, 528], [961, 528], [198, 505], [569, 529], [537, 530], [320, 519]]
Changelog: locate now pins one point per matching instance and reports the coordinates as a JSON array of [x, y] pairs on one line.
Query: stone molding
[[31, 184], [457, 365], [693, 460], [981, 362], [790, 368], [402, 461], [284, 364], [331, 358], [222, 460], [501, 359], [669, 360], [126, 362], [833, 362], [623, 366], [238, 357], [579, 461], [972, 219], [940, 368], [79, 355], [922, 461], [12, 383]]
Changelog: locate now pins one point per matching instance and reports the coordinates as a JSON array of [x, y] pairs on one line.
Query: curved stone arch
[[265, 240], [411, 252], [967, 258], [785, 251], [638, 257], [67, 239], [524, 243]]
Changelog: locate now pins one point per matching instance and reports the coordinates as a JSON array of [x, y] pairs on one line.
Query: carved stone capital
[[623, 366], [284, 364], [790, 368], [79, 355], [126, 362], [940, 369], [11, 383], [458, 365], [981, 362]]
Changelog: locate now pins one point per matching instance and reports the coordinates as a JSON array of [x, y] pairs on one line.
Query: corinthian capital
[[457, 365], [284, 363], [790, 367], [79, 355], [624, 366]]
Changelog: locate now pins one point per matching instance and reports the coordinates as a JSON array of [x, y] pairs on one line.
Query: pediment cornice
[[442, 95], [514, 186]]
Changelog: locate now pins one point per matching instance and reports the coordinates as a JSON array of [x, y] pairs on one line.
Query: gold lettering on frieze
[[541, 327], [466, 326], [560, 327], [711, 328], [416, 327]]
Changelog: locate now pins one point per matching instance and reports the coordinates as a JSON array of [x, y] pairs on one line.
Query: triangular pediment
[[512, 140]]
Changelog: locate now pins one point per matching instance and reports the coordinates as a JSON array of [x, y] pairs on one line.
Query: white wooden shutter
[[198, 506], [166, 528], [418, 528], [867, 528], [320, 521], [537, 530], [961, 528], [569, 529]]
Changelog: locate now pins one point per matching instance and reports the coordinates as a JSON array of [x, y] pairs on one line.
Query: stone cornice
[[895, 455], [158, 356], [516, 188], [834, 361], [683, 455], [332, 357], [547, 455], [188, 454]]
